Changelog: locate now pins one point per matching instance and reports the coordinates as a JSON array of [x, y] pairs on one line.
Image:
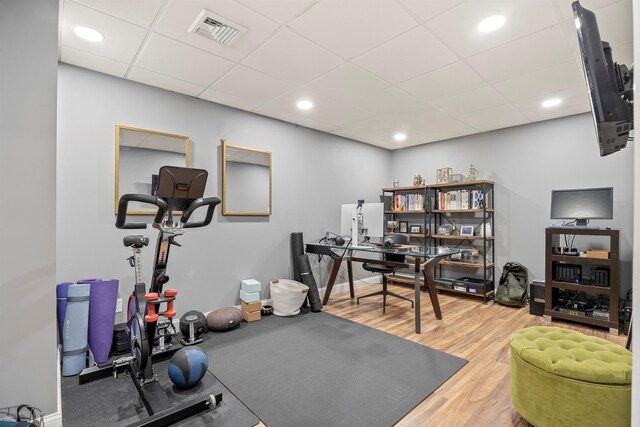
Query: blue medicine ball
[[187, 366]]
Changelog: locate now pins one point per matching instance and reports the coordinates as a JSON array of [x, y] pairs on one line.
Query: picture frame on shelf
[[444, 230], [404, 226], [415, 228], [392, 225], [466, 230]]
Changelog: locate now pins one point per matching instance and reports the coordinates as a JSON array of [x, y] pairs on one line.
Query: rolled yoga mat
[[102, 316], [310, 281], [74, 331], [61, 294], [297, 249]]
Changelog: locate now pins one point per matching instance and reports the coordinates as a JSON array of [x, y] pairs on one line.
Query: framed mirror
[[139, 155], [246, 181]]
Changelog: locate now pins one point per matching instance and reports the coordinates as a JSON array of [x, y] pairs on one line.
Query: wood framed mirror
[[139, 155], [246, 181]]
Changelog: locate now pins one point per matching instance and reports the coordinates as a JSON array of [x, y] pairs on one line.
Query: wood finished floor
[[478, 394]]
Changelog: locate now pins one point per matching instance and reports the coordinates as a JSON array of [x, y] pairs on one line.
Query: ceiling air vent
[[216, 27]]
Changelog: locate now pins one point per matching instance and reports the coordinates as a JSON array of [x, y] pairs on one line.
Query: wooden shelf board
[[582, 288], [467, 264], [487, 294], [460, 210], [584, 231], [411, 281], [581, 260], [582, 319], [405, 212], [442, 236], [409, 234], [462, 184], [402, 279], [405, 188]]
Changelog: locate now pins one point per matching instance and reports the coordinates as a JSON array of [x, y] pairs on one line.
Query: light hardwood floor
[[478, 394]]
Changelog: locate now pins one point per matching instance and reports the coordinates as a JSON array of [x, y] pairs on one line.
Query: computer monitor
[[582, 204], [372, 224], [610, 85]]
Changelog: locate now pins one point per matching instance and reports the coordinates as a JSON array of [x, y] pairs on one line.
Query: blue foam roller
[[61, 295], [74, 331]]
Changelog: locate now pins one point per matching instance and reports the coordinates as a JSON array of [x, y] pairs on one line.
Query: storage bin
[[287, 296]]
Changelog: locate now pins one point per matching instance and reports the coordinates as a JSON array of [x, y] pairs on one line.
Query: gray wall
[[527, 162], [310, 182], [28, 70]]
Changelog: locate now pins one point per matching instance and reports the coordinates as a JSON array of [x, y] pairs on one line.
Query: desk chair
[[398, 239]]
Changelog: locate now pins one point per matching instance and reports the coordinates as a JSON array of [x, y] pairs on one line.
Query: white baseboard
[[53, 420]]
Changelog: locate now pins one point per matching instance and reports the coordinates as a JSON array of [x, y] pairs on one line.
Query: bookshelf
[[469, 203]]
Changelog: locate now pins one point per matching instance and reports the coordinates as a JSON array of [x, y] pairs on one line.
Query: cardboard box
[[251, 316], [598, 253], [250, 285], [249, 296], [251, 307]]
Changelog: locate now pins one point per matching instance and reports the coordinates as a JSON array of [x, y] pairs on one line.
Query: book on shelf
[[408, 202], [459, 200]]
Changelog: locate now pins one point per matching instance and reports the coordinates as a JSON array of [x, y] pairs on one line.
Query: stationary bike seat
[[136, 241]]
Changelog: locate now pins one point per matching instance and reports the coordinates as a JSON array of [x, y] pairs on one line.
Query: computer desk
[[425, 258]]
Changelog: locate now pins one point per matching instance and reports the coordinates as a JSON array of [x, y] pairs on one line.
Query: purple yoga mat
[[62, 289], [102, 315]]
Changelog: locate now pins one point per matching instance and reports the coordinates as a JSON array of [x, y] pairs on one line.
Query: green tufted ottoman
[[565, 378]]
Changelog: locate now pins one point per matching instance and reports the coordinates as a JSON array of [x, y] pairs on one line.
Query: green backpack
[[512, 289]]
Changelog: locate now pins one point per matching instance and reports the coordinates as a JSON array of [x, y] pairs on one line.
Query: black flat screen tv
[[609, 84], [581, 205]]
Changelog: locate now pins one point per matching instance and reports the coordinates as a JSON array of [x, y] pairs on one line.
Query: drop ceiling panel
[[293, 58], [303, 121], [541, 82], [468, 102], [449, 80], [179, 15], [350, 28], [152, 78], [492, 118], [250, 84], [93, 62], [592, 5], [230, 100], [139, 12], [177, 60], [427, 9], [534, 52], [406, 56], [391, 99], [574, 100], [280, 11], [459, 26], [349, 83], [121, 39]]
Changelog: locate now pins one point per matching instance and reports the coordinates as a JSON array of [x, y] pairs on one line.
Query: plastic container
[[288, 296]]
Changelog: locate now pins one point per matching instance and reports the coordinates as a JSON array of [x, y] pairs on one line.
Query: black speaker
[[536, 298]]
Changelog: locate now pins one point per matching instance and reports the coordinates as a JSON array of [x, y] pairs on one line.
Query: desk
[[425, 260]]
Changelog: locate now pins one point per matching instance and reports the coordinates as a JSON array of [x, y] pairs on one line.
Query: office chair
[[398, 239]]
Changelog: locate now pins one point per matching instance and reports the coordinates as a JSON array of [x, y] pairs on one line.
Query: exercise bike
[[178, 190]]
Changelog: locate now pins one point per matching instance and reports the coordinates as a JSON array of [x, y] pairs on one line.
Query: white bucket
[[287, 296]]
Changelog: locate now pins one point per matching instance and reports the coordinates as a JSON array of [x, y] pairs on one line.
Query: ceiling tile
[[537, 51], [459, 26], [246, 83], [230, 100], [348, 83], [592, 5], [325, 109], [280, 11], [406, 56], [121, 39], [574, 100], [427, 9], [541, 82], [292, 58], [389, 100], [449, 80], [165, 82], [139, 12], [175, 59], [350, 28], [179, 15], [492, 118], [93, 62], [468, 102], [300, 121]]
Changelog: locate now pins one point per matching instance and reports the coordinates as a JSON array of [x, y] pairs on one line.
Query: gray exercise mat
[[316, 369], [115, 402]]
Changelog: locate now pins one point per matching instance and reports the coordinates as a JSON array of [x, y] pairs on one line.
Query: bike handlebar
[[210, 202], [121, 220]]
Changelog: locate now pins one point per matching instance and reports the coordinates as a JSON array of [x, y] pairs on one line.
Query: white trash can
[[288, 296]]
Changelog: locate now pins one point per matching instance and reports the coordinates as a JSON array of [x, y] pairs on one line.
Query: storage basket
[[287, 296]]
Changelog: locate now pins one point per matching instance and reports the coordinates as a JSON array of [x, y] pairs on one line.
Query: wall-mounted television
[[610, 85]]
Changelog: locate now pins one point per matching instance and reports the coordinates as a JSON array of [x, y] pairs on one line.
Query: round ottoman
[[565, 378]]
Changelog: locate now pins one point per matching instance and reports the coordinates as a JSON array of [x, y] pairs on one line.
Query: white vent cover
[[216, 27]]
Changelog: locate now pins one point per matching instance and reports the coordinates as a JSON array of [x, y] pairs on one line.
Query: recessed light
[[553, 102], [491, 23], [399, 136], [88, 34], [304, 104]]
